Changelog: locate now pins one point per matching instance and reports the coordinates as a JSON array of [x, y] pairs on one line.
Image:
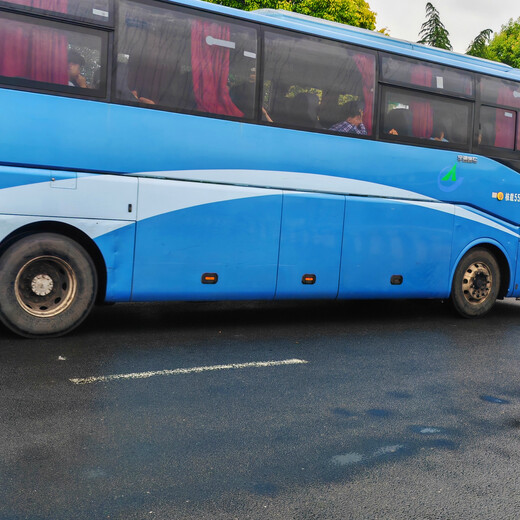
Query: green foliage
[[505, 45], [433, 32], [479, 46], [351, 12]]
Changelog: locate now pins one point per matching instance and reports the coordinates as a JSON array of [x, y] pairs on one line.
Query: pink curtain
[[34, 52], [366, 66], [422, 123], [509, 96], [58, 6], [505, 126], [210, 69]]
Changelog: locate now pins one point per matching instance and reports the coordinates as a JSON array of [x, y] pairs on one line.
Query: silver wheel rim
[[45, 286], [477, 283]]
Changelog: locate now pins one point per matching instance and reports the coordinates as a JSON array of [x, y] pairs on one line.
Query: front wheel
[[48, 285], [476, 284]]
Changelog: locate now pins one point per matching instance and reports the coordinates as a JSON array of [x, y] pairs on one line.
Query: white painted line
[[179, 371]]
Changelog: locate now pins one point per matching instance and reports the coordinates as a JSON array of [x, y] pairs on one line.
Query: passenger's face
[[74, 70], [356, 120]]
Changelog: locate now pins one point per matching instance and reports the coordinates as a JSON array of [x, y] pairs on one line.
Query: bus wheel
[[476, 283], [48, 285]]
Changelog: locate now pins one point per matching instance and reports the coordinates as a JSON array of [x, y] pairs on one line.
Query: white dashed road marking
[[180, 371]]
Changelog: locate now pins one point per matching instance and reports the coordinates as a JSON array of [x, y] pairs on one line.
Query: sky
[[463, 19]]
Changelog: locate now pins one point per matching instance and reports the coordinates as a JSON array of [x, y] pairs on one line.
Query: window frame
[[495, 151], [29, 85], [195, 12], [351, 47], [55, 15], [424, 142], [431, 90]]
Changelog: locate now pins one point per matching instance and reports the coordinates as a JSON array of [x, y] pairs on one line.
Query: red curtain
[[366, 66], [32, 51], [505, 126], [422, 123], [210, 69]]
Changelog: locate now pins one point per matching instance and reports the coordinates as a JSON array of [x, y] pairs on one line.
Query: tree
[[351, 12], [433, 32], [479, 46], [505, 45]]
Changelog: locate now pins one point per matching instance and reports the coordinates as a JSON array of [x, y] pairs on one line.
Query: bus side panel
[[52, 193], [390, 238], [117, 248], [312, 229], [115, 240], [188, 229], [473, 227]]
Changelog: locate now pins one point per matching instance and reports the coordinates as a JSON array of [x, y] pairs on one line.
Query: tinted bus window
[[497, 127], [423, 116], [500, 92], [308, 82], [95, 10], [41, 54], [176, 60], [432, 76]]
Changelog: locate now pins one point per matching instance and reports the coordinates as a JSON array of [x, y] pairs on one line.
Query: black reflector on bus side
[[209, 278], [396, 279], [308, 279]]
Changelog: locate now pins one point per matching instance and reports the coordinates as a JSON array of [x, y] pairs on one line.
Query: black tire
[[476, 284], [48, 284]]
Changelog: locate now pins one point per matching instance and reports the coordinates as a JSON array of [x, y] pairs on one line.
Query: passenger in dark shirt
[[353, 123]]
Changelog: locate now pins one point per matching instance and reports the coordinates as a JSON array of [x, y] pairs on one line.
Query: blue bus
[[158, 150]]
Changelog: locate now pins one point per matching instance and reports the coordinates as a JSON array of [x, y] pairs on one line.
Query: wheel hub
[[477, 282], [42, 284], [45, 286]]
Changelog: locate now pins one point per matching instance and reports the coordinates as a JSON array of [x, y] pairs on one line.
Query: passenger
[[243, 96], [265, 114], [353, 123], [139, 88], [398, 121], [141, 99], [75, 63], [439, 133]]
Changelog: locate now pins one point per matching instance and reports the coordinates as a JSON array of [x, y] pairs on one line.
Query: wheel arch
[[60, 228], [496, 249]]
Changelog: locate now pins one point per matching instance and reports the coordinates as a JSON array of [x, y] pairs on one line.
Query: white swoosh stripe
[[296, 181], [289, 180], [463, 213]]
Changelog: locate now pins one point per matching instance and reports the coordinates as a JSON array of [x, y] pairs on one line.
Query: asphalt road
[[382, 410]]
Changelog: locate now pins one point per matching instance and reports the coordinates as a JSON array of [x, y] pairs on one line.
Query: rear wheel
[[476, 283], [48, 285]]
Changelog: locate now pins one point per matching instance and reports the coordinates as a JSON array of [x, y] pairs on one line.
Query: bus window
[[500, 92], [179, 61], [44, 54], [422, 116], [497, 127], [432, 76], [307, 81], [93, 10]]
